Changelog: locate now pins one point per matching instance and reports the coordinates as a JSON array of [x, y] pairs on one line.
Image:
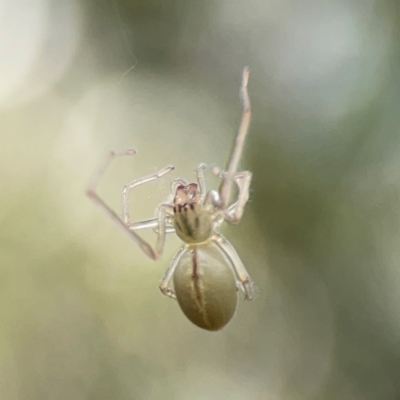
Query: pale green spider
[[204, 268]]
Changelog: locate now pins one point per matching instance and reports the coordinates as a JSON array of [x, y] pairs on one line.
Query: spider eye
[[192, 191], [186, 193]]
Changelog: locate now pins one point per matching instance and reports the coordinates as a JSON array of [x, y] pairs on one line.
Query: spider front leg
[[127, 189], [234, 213], [246, 284], [235, 156], [159, 224], [201, 181], [124, 223]]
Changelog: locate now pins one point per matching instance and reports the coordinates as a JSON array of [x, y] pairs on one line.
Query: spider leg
[[159, 225], [164, 285], [234, 212], [152, 224], [201, 181], [163, 211], [127, 189], [225, 189], [177, 182], [246, 284], [92, 194]]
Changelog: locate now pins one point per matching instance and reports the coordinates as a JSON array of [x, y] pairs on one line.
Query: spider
[[206, 271]]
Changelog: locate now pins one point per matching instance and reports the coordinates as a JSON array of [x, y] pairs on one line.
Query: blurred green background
[[81, 313]]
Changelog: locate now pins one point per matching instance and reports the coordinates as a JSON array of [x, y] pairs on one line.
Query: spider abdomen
[[205, 286], [192, 222]]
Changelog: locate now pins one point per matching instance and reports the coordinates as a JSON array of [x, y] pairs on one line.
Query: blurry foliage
[[82, 317]]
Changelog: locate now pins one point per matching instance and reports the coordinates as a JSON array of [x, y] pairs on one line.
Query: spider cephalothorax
[[192, 221]]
